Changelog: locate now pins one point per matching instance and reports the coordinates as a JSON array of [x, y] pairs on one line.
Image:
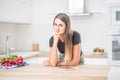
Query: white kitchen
[[27, 25]]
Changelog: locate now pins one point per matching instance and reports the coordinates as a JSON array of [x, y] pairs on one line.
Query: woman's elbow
[[53, 64], [75, 63]]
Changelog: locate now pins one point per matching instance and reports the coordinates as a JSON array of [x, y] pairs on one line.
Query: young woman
[[65, 49]]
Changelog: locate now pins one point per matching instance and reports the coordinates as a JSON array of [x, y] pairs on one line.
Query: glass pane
[[117, 15], [116, 48]]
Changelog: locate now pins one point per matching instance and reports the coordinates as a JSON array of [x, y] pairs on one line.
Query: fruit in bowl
[[98, 50], [10, 60]]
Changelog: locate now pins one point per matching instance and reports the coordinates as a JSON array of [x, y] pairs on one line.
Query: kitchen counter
[[38, 71]]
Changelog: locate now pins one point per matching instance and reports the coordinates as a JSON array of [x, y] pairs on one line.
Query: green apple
[[102, 50]]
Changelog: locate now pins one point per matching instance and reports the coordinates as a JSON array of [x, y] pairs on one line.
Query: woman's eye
[[60, 25], [55, 24]]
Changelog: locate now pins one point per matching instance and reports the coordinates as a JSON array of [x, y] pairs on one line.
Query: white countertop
[[27, 53], [89, 61], [24, 54]]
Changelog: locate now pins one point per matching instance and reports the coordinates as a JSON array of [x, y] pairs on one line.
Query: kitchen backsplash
[[14, 39]]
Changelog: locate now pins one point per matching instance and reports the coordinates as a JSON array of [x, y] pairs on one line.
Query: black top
[[76, 39]]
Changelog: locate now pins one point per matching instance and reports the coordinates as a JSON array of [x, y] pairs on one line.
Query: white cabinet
[[114, 73], [16, 11], [113, 1]]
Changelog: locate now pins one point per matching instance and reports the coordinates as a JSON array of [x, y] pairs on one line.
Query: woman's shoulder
[[51, 38], [76, 33], [51, 41], [76, 38]]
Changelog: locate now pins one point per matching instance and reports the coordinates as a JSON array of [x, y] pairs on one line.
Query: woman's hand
[[46, 63], [53, 51], [56, 38]]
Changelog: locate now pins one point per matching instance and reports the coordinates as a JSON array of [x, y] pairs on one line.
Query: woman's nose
[[57, 27]]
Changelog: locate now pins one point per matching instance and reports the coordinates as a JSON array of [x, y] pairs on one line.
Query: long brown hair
[[68, 35]]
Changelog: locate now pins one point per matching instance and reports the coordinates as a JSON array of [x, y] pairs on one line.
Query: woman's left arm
[[75, 57]]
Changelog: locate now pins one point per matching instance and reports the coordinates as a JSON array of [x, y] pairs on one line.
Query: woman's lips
[[57, 31]]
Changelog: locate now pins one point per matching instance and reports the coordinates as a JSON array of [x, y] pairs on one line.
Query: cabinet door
[[16, 11]]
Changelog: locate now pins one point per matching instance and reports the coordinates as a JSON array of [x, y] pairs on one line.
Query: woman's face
[[59, 26]]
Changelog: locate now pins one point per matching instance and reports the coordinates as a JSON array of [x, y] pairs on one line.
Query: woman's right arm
[[53, 59]]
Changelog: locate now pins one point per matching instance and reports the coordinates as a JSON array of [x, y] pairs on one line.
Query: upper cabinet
[[16, 11], [113, 1]]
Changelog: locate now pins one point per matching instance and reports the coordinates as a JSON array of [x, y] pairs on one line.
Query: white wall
[[92, 28]]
